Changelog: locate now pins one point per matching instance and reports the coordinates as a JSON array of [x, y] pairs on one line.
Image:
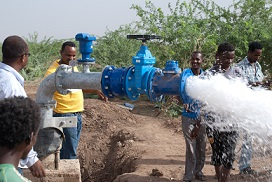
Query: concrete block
[[69, 171]]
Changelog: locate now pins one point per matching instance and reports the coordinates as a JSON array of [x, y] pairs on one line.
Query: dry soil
[[140, 145]]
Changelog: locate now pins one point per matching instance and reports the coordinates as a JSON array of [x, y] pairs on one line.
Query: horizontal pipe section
[[167, 84], [77, 80], [64, 79]]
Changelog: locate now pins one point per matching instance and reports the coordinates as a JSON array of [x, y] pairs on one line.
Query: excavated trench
[[117, 157]]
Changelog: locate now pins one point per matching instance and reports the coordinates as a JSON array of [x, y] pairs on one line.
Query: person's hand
[[195, 132], [211, 140], [186, 107], [37, 169], [258, 84], [266, 84], [255, 84]]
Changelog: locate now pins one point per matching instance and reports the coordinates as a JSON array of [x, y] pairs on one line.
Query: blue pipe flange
[[145, 80], [130, 85], [151, 94], [183, 80], [113, 81]]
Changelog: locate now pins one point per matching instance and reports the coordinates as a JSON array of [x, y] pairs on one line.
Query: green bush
[[203, 25]]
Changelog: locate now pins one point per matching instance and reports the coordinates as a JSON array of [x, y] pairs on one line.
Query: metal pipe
[[46, 90], [167, 84], [76, 80], [62, 80]]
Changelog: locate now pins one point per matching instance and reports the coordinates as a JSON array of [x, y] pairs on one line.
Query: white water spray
[[235, 103]]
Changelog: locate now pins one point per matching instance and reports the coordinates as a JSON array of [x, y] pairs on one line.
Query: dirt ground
[[140, 145]]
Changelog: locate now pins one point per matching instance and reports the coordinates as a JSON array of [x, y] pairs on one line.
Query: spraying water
[[235, 104]]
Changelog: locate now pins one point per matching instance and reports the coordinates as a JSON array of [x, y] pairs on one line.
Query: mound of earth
[[139, 145]]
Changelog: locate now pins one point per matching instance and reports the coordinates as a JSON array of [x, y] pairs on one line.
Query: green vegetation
[[170, 106], [115, 49], [43, 53], [203, 25], [194, 25]]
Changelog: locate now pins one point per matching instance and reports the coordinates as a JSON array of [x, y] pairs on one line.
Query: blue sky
[[63, 19]]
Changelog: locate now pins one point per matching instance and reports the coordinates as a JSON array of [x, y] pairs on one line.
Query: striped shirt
[[253, 72]]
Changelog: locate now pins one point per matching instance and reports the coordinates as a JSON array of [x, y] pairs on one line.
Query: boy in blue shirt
[[194, 132]]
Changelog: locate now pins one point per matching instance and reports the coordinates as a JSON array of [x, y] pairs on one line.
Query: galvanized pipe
[[76, 80], [46, 90], [64, 79]]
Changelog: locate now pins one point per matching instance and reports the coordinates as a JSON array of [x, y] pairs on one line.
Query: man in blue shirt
[[194, 132]]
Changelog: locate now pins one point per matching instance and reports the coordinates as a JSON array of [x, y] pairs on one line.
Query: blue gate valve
[[138, 77], [134, 80], [141, 78]]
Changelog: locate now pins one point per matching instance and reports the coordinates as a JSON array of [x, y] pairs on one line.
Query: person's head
[[19, 120], [15, 52], [225, 55], [196, 60], [254, 52], [68, 52]]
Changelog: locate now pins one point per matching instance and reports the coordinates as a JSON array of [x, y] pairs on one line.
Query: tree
[[115, 49], [203, 25]]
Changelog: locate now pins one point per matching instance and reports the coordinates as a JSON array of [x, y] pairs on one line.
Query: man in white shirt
[[15, 57]]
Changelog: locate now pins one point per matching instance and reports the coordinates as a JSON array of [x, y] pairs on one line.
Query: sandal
[[200, 177]]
